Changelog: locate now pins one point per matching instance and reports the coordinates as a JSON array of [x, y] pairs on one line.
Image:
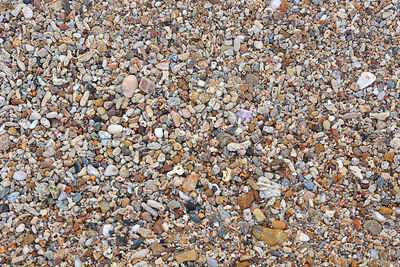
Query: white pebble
[[158, 132], [27, 11], [366, 79], [303, 237], [20, 176], [115, 129], [111, 170]]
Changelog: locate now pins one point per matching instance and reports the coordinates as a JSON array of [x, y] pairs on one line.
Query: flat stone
[[373, 227], [147, 85], [245, 200], [385, 211], [190, 255], [5, 142], [111, 170], [28, 239], [366, 79], [304, 238], [42, 52], [271, 237], [278, 225], [20, 176], [190, 182], [259, 215]]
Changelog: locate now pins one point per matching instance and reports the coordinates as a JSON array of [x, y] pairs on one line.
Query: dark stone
[[309, 185], [191, 206], [4, 208], [221, 232], [194, 217], [136, 244], [77, 166], [121, 241]]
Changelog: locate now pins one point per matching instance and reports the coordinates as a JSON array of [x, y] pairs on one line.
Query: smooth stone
[[20, 176], [27, 11], [275, 3], [271, 237], [259, 215], [51, 115], [159, 132], [129, 85], [373, 227], [258, 44], [190, 255], [35, 116], [366, 79], [140, 254], [212, 262], [111, 170], [42, 52], [115, 129], [303, 237]]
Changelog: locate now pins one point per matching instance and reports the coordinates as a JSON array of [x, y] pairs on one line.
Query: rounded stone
[[114, 129], [158, 132], [129, 85], [111, 170], [20, 176]]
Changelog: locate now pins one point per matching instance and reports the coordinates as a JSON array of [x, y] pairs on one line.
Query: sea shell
[[268, 188]]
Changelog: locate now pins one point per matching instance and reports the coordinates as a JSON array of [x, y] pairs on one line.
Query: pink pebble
[[129, 85]]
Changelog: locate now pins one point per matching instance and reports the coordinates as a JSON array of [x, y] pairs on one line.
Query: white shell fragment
[[366, 79]]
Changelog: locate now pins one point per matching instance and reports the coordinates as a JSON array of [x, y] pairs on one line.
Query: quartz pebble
[[147, 85], [115, 129], [129, 85], [111, 170], [366, 79], [20, 176]]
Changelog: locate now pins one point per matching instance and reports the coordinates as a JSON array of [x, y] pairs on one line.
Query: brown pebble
[[245, 200], [278, 225]]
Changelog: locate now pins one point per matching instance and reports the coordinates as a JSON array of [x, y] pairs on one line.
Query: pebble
[[140, 254], [115, 129], [199, 128], [111, 170], [159, 132], [271, 237], [147, 85], [20, 176], [373, 227], [129, 85], [259, 215], [190, 255], [304, 238], [190, 182], [366, 79]]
